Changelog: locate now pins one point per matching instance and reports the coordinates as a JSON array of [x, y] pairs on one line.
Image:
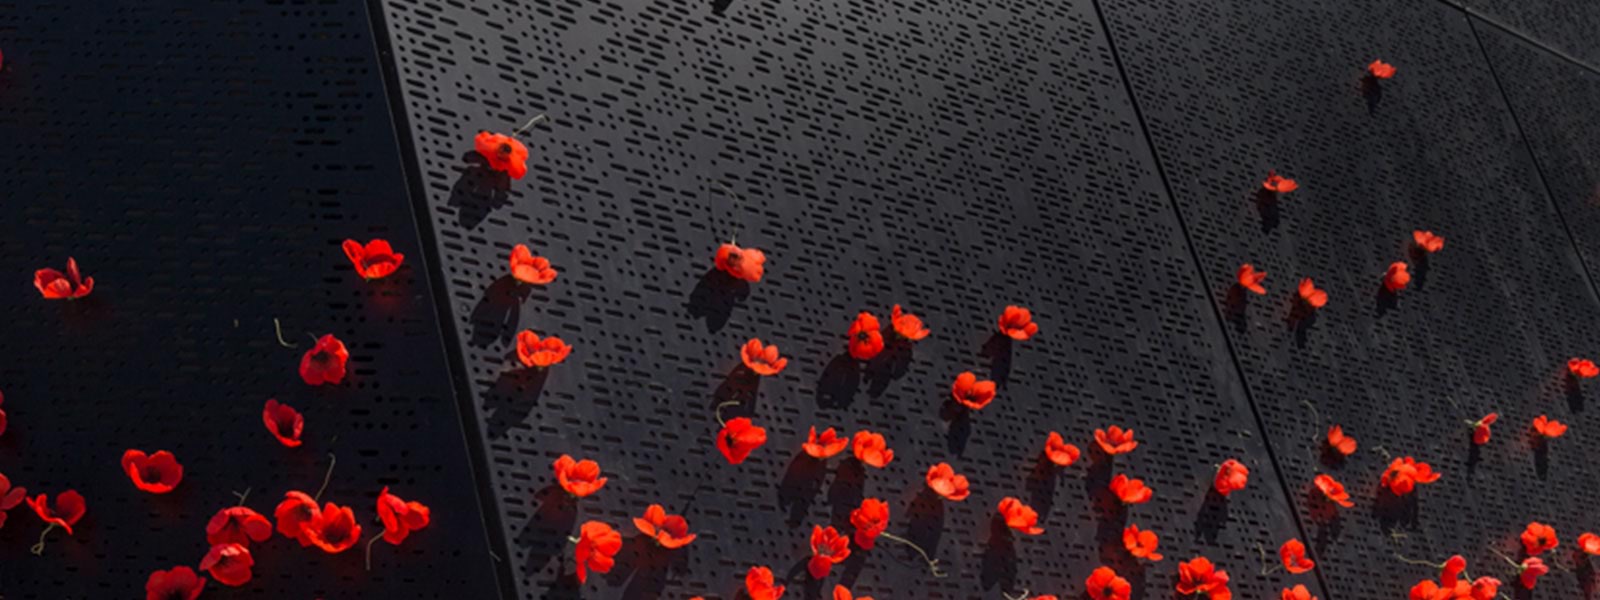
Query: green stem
[[277, 328], [326, 477], [933, 563], [531, 122], [719, 411], [38, 549], [370, 542]]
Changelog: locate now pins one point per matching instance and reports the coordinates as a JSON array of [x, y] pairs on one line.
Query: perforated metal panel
[[1558, 25]]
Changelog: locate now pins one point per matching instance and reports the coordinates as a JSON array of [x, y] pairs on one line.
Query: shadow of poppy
[[478, 191], [999, 565], [739, 386], [512, 398], [85, 315], [1585, 574], [1267, 205], [1384, 300], [1372, 90], [801, 483], [1213, 515], [1419, 266], [715, 296], [1395, 513], [1574, 390], [498, 313], [959, 430], [1474, 456], [1541, 456], [799, 574], [545, 536], [837, 386], [1330, 457], [1234, 305], [846, 490], [1041, 486], [891, 364], [1300, 320], [644, 565], [926, 524], [998, 350], [1325, 515]]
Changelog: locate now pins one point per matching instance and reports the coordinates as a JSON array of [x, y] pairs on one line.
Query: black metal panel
[[1560, 25], [953, 157], [202, 161], [1486, 325]]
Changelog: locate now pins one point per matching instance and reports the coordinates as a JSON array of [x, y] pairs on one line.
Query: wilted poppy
[[871, 449], [1299, 592], [334, 529], [1380, 69], [1480, 429], [283, 422], [828, 548], [1141, 543], [1311, 295], [68, 508], [1250, 278], [762, 358], [943, 480], [1130, 491], [237, 525], [578, 477], [1341, 443], [1019, 516], [1582, 367], [375, 260], [177, 583], [1451, 571], [971, 392], [747, 264], [53, 285], [669, 531], [1017, 323], [155, 473], [1405, 473], [1427, 241], [1115, 440], [504, 153], [907, 325], [527, 268], [294, 514], [843, 593], [825, 446], [1531, 569], [1589, 543], [1538, 538], [866, 339], [1485, 588], [400, 517], [1333, 490], [1278, 183], [1231, 477], [1397, 277], [10, 497], [758, 582], [229, 564], [870, 519], [1548, 428], [540, 353], [738, 438], [1059, 451], [1200, 576], [325, 361], [1104, 584], [598, 545], [1293, 553]]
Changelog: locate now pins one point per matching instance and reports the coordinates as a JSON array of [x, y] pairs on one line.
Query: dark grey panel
[[1561, 25]]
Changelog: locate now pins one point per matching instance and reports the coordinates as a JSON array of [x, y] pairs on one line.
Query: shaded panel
[[1563, 25]]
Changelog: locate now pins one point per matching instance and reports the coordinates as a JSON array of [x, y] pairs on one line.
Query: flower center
[[504, 149]]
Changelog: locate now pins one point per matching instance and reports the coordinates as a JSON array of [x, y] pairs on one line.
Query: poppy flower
[[1428, 590], [237, 525], [1278, 183], [504, 153], [598, 545], [1341, 443], [739, 438], [825, 446], [1059, 451], [1017, 323], [1293, 553], [1485, 588], [177, 583], [1405, 473], [870, 448], [578, 477], [294, 514], [400, 517], [1480, 429], [1231, 477], [534, 352], [68, 508], [1548, 428], [1582, 367], [1311, 295], [1380, 69], [229, 564], [907, 325], [375, 260], [843, 593], [324, 362], [2, 415], [1200, 576], [1104, 584], [1451, 571], [1333, 490], [1130, 491], [1141, 543], [758, 582], [866, 341], [55, 286], [1250, 278], [1427, 241], [869, 519], [828, 548], [747, 264], [283, 422], [1019, 516], [10, 497], [1588, 542], [334, 529], [527, 268], [1115, 440], [669, 531], [155, 473], [1531, 569], [762, 358], [1538, 538], [1298, 593], [971, 392], [1397, 277], [943, 480]]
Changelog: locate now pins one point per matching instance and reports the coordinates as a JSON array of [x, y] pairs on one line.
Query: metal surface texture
[[1562, 26]]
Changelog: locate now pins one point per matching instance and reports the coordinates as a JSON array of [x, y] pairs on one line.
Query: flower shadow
[[1541, 456], [739, 386], [1574, 390], [1372, 91], [1267, 205], [478, 191], [959, 430], [840, 379], [1325, 516], [1585, 574], [1419, 266], [1233, 308], [999, 565], [802, 481], [1212, 517], [1395, 513], [1041, 485], [1384, 300], [998, 350], [926, 525], [714, 297], [891, 364], [643, 565], [498, 313], [545, 535], [846, 490], [1300, 320], [512, 398]]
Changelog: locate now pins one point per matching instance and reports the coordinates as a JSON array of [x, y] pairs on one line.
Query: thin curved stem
[[529, 125], [1267, 568], [1413, 561], [38, 549], [719, 411], [277, 328], [1024, 595], [242, 496], [326, 477], [1502, 555], [933, 563], [370, 542], [732, 239]]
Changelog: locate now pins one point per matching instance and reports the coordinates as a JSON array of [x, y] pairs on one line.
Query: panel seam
[[1516, 33]]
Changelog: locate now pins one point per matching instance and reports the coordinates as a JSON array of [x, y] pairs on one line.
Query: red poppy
[[1115, 440], [842, 593], [747, 264], [177, 583], [828, 548], [971, 392], [739, 438], [68, 508], [1380, 69], [283, 422], [1017, 323], [1405, 473], [527, 268], [1250, 278], [866, 341], [1333, 490], [2, 415], [1104, 584], [598, 545], [324, 362], [1293, 553], [294, 514], [870, 519], [669, 531], [504, 153], [1130, 491], [1279, 184], [1298, 593], [870, 448], [825, 446], [229, 564], [534, 352], [1059, 451], [400, 517], [1538, 538], [375, 260], [10, 497], [1141, 543], [1397, 277], [907, 325], [1427, 241], [1531, 569], [943, 480], [1231, 477], [1200, 576], [1340, 442], [758, 582], [1452, 569], [578, 477], [55, 286], [1548, 428], [1589, 543], [1019, 516], [762, 358], [237, 525], [1311, 295], [155, 473], [1480, 429], [1428, 590], [1582, 367], [334, 529], [1485, 588]]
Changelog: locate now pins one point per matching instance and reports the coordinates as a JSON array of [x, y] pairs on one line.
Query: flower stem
[[332, 460], [1413, 561], [246, 494], [277, 328], [370, 542], [38, 549], [732, 239], [933, 563], [719, 411], [531, 122], [1022, 596], [572, 540]]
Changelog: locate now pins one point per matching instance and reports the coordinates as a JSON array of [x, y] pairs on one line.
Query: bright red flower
[[1278, 183], [69, 507], [1293, 553], [866, 341], [1311, 295], [324, 362], [334, 530], [540, 353], [578, 477], [1588, 542], [843, 593], [1298, 593], [1200, 576], [504, 153], [871, 449], [758, 582], [1017, 323], [283, 422], [237, 525], [1340, 442], [1250, 278], [1427, 241], [1485, 588], [870, 520], [1531, 569], [669, 531], [907, 325], [1231, 477], [825, 446], [1451, 571], [55, 286], [177, 583], [1380, 69], [1548, 428], [943, 480], [1405, 473], [294, 514], [400, 517], [1538, 538], [747, 264], [155, 473], [10, 497], [375, 260], [1480, 429], [229, 564], [971, 392], [1059, 451], [1141, 543], [1115, 440], [1428, 590], [1019, 516], [828, 548], [527, 268], [1130, 491], [738, 438], [1582, 367], [1333, 490], [762, 358], [598, 545], [1104, 584], [1397, 277]]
